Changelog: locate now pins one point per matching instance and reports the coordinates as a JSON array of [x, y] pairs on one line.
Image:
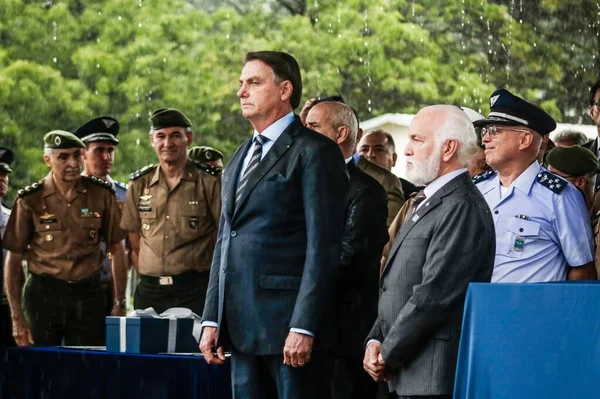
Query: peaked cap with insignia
[[168, 117], [6, 158], [104, 128], [508, 109], [204, 154], [59, 139]]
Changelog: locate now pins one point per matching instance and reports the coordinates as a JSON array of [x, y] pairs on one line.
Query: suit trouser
[[351, 381], [61, 312], [265, 377], [190, 293]]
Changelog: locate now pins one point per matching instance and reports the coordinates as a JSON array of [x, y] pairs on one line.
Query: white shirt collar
[[438, 183], [350, 158], [276, 128]]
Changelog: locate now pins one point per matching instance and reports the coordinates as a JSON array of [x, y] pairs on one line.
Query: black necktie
[[252, 164]]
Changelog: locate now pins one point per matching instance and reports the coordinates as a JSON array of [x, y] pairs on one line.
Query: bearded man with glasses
[[542, 226]]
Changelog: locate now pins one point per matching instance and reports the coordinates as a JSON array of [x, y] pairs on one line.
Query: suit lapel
[[283, 143], [230, 177], [425, 208]]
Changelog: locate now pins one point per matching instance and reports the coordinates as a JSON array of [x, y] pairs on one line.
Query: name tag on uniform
[[144, 209]]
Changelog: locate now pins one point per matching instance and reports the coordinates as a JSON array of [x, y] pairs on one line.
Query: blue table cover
[[530, 341], [45, 372]]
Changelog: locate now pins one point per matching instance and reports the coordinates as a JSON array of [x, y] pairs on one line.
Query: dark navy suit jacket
[[278, 250]]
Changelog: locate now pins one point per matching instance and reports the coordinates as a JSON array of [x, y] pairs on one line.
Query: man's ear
[[190, 137], [526, 140], [47, 161], [286, 91], [449, 149], [394, 159], [342, 134]]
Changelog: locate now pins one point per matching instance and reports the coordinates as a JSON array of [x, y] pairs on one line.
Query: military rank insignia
[[47, 218]]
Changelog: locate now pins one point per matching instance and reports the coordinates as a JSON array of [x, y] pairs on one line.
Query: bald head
[[336, 121]]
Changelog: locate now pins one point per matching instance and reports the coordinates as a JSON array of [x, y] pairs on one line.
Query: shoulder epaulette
[[211, 170], [121, 185], [551, 181], [30, 189], [141, 172], [483, 176], [100, 182]]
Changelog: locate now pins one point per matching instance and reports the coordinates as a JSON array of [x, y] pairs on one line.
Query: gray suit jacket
[[277, 251], [448, 243]]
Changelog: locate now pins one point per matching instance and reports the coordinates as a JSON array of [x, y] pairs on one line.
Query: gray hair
[[342, 115], [48, 152], [457, 126], [571, 135]]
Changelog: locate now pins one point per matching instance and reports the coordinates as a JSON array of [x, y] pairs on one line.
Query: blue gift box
[[150, 335]]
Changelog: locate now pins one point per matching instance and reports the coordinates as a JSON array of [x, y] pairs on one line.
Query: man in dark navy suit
[[365, 234], [270, 292]]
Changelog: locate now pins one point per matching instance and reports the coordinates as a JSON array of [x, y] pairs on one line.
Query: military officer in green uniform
[[172, 212], [58, 225]]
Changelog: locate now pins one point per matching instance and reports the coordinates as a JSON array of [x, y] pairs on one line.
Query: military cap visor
[[6, 158], [510, 110], [204, 154], [104, 128], [168, 117], [574, 161], [59, 139]]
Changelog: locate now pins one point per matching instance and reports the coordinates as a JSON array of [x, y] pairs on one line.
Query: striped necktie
[[252, 164], [420, 197]]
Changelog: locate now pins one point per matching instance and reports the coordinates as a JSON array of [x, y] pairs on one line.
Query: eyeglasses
[[493, 130]]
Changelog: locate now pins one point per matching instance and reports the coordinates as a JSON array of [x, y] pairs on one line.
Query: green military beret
[[168, 117], [61, 139], [574, 161], [204, 154]]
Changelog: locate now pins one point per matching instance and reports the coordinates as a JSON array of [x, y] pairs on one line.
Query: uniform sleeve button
[[521, 230], [496, 212]]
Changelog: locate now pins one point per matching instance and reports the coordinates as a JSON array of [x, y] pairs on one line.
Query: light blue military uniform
[[120, 190], [542, 225], [4, 215]]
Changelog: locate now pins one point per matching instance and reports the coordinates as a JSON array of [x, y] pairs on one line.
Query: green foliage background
[[64, 62]]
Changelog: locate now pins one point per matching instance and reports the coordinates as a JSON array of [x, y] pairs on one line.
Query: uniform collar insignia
[[47, 216]]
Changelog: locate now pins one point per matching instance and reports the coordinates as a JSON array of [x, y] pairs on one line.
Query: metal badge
[[146, 226], [519, 243], [194, 222], [49, 237], [92, 234]]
